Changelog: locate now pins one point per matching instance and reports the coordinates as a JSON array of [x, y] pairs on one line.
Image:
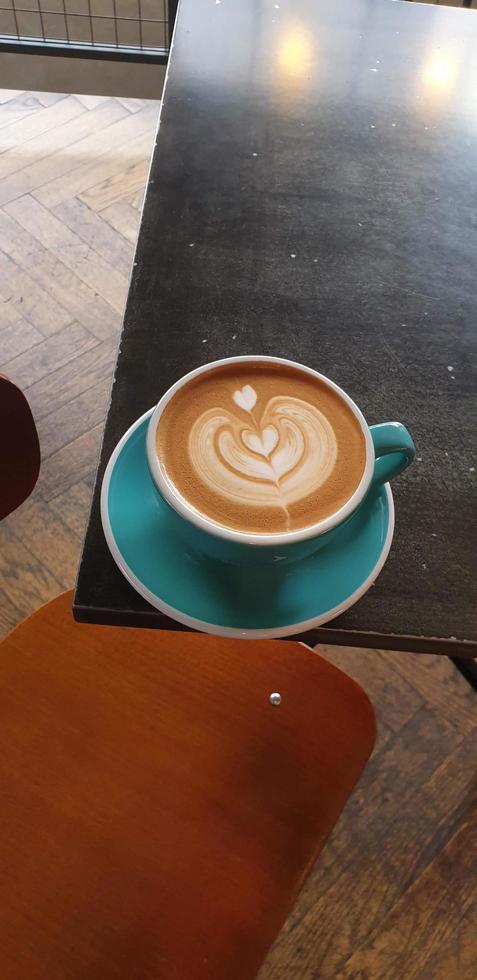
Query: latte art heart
[[245, 398], [263, 443], [273, 460]]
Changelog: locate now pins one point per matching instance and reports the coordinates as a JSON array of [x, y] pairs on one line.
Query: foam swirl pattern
[[272, 460]]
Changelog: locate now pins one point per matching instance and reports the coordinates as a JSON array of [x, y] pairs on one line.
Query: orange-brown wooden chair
[[159, 812], [19, 448]]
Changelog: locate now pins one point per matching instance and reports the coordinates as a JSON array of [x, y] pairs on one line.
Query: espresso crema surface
[[260, 448]]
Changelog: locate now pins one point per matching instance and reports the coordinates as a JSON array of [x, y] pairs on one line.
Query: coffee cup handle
[[393, 448]]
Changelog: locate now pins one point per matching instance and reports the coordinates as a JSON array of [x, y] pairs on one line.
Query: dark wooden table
[[312, 195]]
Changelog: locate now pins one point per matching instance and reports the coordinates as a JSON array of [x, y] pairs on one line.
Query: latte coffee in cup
[[260, 447]]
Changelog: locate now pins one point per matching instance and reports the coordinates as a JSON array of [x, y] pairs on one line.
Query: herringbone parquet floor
[[393, 896], [72, 176]]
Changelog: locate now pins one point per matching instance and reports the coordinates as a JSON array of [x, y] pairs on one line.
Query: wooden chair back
[[159, 813]]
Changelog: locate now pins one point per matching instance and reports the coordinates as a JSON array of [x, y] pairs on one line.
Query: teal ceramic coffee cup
[[389, 450]]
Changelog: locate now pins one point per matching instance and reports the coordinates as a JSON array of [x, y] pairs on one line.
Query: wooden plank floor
[[72, 175], [394, 895]]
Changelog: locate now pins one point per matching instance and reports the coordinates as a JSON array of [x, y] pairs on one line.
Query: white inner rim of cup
[[168, 491]]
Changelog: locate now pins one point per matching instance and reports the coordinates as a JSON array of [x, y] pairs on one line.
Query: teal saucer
[[210, 595]]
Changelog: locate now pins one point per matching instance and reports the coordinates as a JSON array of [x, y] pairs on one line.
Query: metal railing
[[123, 30]]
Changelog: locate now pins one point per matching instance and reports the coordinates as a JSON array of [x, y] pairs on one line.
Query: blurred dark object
[[449, 3], [19, 448]]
